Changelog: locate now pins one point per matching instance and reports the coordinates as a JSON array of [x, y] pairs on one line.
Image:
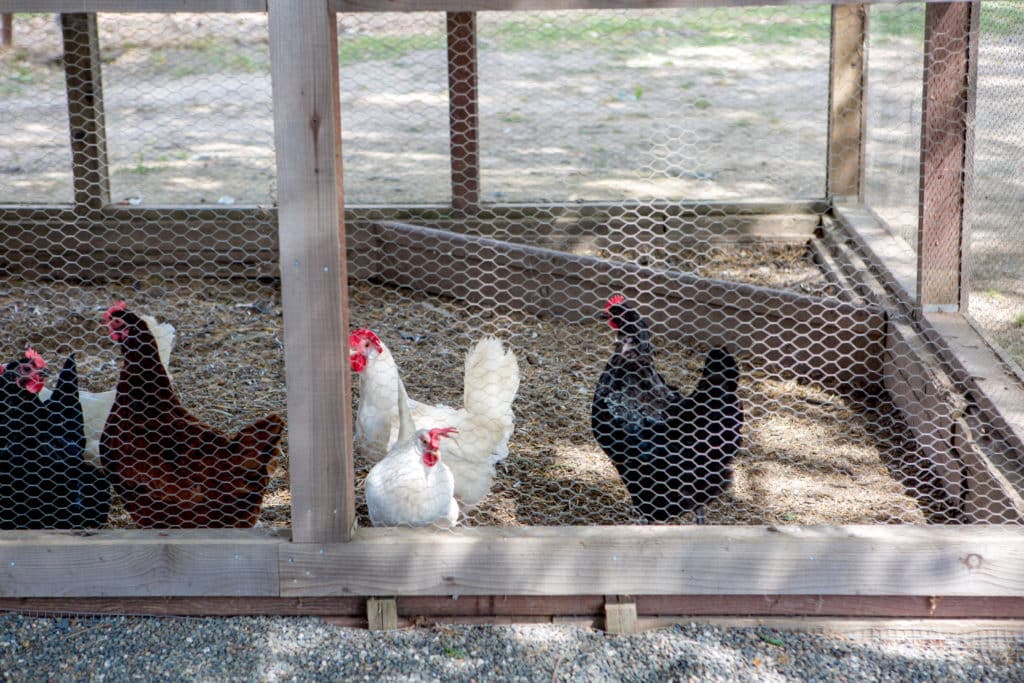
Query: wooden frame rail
[[63, 6], [870, 560]]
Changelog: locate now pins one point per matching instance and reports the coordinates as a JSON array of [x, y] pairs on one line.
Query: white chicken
[[484, 423], [96, 406], [411, 486]]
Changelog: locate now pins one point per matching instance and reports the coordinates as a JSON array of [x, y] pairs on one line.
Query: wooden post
[[85, 111], [6, 30], [382, 614], [620, 615], [950, 69], [463, 116], [307, 112], [847, 88]]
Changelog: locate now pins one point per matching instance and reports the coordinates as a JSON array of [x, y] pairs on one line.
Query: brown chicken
[[170, 469]]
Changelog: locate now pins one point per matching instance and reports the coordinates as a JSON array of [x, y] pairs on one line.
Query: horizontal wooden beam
[[242, 241], [531, 562], [90, 6], [138, 563], [814, 338], [520, 608], [860, 560], [486, 212], [542, 5], [403, 5]]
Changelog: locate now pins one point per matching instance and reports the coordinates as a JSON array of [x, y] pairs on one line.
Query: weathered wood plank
[[245, 246], [382, 614], [209, 562], [463, 110], [398, 5], [847, 91], [92, 6], [599, 211], [891, 258], [819, 339], [86, 119], [950, 33], [540, 5], [521, 609], [620, 617], [243, 241], [968, 422], [307, 117], [861, 560]]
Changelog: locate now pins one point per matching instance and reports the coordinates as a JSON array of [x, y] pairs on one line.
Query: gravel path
[[308, 649]]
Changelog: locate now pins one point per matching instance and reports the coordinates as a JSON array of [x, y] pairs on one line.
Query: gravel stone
[[307, 649]]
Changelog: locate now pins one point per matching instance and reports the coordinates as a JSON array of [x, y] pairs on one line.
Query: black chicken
[[45, 482], [673, 452]]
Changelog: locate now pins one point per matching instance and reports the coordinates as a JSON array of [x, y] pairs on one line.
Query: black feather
[[45, 481], [673, 452]]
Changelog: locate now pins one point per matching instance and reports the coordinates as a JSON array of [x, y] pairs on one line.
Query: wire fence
[[618, 153]]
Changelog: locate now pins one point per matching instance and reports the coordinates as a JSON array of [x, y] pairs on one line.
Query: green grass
[[207, 56], [354, 49], [1002, 17], [1019, 321], [629, 34]]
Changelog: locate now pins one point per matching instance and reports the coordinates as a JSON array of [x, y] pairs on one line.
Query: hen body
[[170, 468], [485, 422], [411, 486], [96, 405], [673, 452], [45, 482]]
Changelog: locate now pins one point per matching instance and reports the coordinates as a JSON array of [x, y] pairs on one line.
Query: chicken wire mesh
[[580, 155], [167, 113]]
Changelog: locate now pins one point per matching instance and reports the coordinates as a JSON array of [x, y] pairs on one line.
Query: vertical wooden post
[[86, 120], [6, 30], [950, 68], [307, 137], [620, 615], [382, 614], [847, 89], [463, 114]]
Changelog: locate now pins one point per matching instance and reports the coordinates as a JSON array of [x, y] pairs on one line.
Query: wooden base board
[[525, 609]]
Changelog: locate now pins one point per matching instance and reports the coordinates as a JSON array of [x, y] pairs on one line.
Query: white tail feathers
[[491, 381], [164, 335]]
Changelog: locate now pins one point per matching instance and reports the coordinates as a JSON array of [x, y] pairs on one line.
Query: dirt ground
[[810, 456], [658, 116]]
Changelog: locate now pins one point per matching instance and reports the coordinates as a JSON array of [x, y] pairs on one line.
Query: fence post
[[6, 30], [846, 95], [311, 229], [86, 120], [463, 114], [947, 148]]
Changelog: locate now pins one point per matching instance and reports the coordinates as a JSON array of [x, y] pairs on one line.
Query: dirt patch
[[810, 456]]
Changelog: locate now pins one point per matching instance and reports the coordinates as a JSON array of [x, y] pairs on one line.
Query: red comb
[[116, 308], [437, 433], [615, 300], [363, 334], [33, 356]]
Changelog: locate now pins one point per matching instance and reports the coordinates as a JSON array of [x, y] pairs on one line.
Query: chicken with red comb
[[411, 486], [45, 481], [170, 468]]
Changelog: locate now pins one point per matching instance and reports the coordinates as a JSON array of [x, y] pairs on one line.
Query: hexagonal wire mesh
[[170, 115], [618, 152]]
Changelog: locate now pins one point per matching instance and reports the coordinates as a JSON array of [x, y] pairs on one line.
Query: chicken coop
[[804, 211]]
